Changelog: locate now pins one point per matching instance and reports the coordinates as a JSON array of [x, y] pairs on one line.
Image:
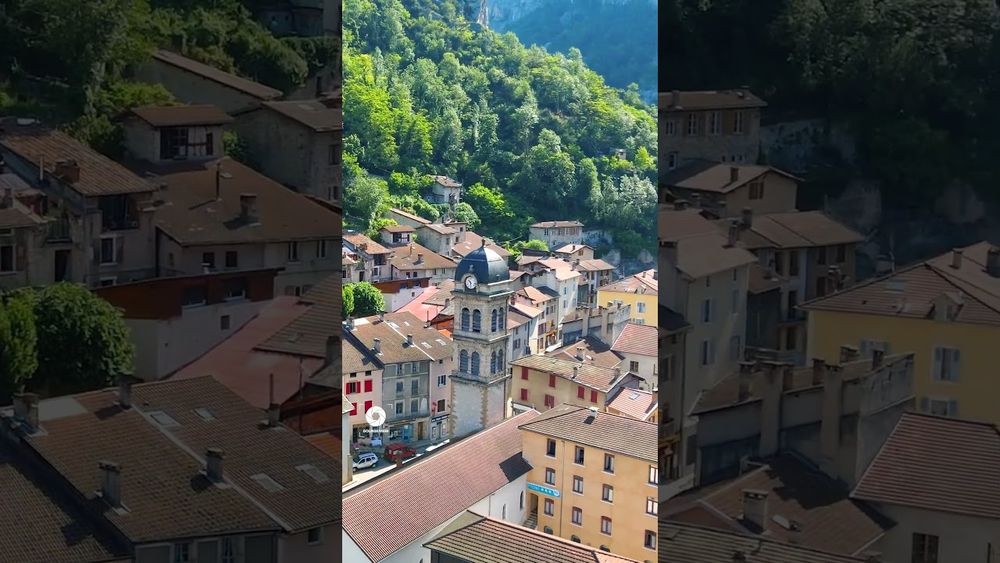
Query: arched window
[[463, 361], [501, 319], [477, 321], [493, 362], [465, 319], [475, 363], [493, 320], [499, 361]]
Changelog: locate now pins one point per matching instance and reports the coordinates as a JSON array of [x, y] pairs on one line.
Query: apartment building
[[546, 300], [417, 261], [594, 479], [716, 125], [556, 234], [544, 382], [637, 346], [362, 376], [372, 264], [603, 323], [639, 291], [725, 190], [445, 190]]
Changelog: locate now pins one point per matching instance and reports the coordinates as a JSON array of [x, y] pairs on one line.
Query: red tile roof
[[415, 500], [241, 84], [637, 339], [696, 544], [642, 283], [636, 403], [604, 431], [937, 464]]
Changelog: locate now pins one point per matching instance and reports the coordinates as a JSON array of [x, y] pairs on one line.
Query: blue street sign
[[543, 490]]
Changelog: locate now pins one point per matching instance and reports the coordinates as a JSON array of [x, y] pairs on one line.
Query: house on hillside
[[556, 234], [719, 126], [445, 190]]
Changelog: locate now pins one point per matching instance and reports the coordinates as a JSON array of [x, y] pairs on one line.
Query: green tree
[[377, 225], [83, 342], [18, 343], [466, 214], [347, 299], [533, 244], [368, 300]]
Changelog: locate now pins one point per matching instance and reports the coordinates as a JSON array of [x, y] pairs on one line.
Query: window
[[633, 367], [756, 190], [477, 321], [232, 259], [552, 380], [108, 282], [605, 525], [194, 296], [671, 160], [109, 250], [399, 407], [707, 353], [208, 260], [321, 249], [415, 386], [652, 507], [821, 255], [738, 124], [692, 124], [608, 493], [671, 127], [524, 395], [650, 540], [706, 311], [333, 156], [414, 405], [6, 258], [946, 364], [550, 401], [399, 387], [578, 455], [550, 447], [940, 407], [520, 503], [352, 387], [609, 463], [574, 538], [182, 553], [463, 361], [440, 405], [442, 380], [228, 550], [549, 511], [465, 319], [293, 251], [503, 512], [550, 476], [314, 536], [714, 123], [925, 549], [593, 396], [578, 484], [793, 300], [577, 517], [580, 391], [475, 363], [224, 321], [791, 338], [641, 307], [235, 288], [654, 475]]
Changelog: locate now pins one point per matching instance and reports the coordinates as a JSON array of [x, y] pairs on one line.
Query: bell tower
[[479, 383]]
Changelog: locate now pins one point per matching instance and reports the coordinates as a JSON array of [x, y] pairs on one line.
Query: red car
[[399, 452]]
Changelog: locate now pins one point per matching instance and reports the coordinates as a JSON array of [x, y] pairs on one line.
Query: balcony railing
[[58, 231]]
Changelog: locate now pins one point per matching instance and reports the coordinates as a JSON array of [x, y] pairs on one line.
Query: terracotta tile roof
[[588, 374], [937, 464], [642, 283], [911, 292], [571, 248], [428, 343], [675, 225], [594, 351], [605, 431], [58, 531], [472, 241], [439, 228], [410, 216], [636, 403], [593, 265], [326, 292], [717, 177], [725, 393], [357, 240], [328, 442], [482, 539], [443, 295], [312, 113], [239, 366], [398, 229], [824, 517], [99, 175], [405, 258], [687, 543], [534, 294], [556, 224], [244, 85], [18, 216], [482, 463], [709, 99], [307, 334], [175, 116], [797, 229], [446, 182], [637, 339], [421, 308], [706, 255], [192, 215], [762, 280]]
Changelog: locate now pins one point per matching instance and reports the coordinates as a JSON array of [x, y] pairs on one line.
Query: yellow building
[[945, 310], [639, 291], [542, 382], [594, 479]]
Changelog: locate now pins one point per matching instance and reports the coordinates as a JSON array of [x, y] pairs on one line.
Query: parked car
[[394, 452], [364, 461]]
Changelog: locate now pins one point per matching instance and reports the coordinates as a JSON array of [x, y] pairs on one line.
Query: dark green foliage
[[368, 300], [18, 343]]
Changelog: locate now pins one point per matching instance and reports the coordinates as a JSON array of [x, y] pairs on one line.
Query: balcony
[[58, 232]]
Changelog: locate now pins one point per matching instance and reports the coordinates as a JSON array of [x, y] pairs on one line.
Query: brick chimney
[[956, 258], [733, 235], [377, 346], [125, 382], [576, 372], [213, 464], [755, 508], [579, 353], [993, 262], [26, 409], [248, 208], [409, 340], [111, 482]]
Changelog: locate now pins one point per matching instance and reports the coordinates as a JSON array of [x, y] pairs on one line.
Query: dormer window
[[179, 143]]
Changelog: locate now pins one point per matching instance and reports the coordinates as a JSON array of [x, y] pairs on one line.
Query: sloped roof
[[605, 431], [637, 403], [695, 100], [589, 375], [176, 116], [637, 339], [718, 177], [594, 352], [796, 229], [642, 283], [688, 543], [311, 113], [230, 80]]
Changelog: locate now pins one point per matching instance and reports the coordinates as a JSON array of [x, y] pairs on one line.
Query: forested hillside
[[916, 81], [532, 135]]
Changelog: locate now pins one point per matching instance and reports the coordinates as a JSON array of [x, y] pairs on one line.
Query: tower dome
[[485, 264]]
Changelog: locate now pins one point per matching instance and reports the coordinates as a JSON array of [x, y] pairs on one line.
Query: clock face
[[470, 282]]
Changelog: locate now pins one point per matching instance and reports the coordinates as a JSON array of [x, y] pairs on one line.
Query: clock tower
[[480, 382]]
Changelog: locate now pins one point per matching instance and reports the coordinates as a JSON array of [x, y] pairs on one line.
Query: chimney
[[819, 370], [877, 357], [618, 373], [381, 316], [745, 376], [993, 262], [734, 234], [956, 258], [734, 174], [420, 258], [273, 409], [849, 354], [350, 322], [830, 421], [747, 216], [111, 482], [41, 169], [319, 87], [675, 98], [576, 372], [68, 171], [248, 208], [213, 464], [125, 382], [755, 508], [377, 346], [409, 340], [579, 353]]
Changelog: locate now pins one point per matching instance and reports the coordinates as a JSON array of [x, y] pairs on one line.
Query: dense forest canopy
[[916, 80], [532, 135]]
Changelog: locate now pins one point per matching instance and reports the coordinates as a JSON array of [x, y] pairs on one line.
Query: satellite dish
[[375, 416]]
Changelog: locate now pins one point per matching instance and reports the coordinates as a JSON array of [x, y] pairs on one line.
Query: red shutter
[[524, 372], [368, 406], [354, 409], [552, 380], [524, 394], [579, 391], [593, 396], [368, 386]]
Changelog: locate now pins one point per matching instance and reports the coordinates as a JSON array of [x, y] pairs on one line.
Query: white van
[[366, 460]]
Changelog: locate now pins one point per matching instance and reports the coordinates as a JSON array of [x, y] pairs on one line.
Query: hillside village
[[811, 415], [224, 414]]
